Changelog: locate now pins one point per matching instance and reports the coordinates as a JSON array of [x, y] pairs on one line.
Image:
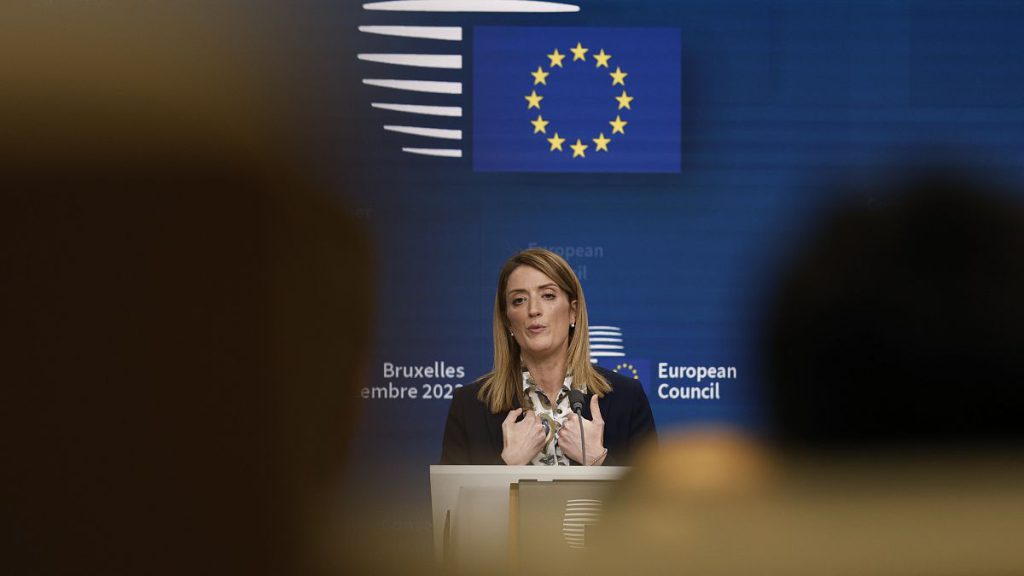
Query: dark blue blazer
[[472, 434]]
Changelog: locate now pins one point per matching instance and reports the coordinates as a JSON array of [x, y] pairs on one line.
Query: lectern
[[482, 513]]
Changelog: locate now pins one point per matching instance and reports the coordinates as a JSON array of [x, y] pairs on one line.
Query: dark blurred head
[[903, 321], [187, 316]]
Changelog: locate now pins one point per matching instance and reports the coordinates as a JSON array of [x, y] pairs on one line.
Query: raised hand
[[569, 436], [522, 440]]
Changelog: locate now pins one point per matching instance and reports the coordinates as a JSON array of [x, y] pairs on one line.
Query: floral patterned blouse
[[554, 413]]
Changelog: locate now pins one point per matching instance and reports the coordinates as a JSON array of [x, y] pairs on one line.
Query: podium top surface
[[516, 473]]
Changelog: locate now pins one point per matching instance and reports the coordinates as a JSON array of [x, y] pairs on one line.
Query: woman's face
[[539, 313]]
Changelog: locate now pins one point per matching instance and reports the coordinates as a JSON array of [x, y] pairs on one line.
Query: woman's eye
[[549, 296], [518, 300]]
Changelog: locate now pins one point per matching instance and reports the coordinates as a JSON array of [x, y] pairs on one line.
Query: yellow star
[[556, 143], [534, 100], [602, 143], [618, 77], [578, 148], [540, 76], [617, 125], [539, 124], [556, 58], [579, 52], [602, 58], [624, 100]]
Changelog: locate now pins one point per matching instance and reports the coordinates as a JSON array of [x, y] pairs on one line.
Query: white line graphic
[[446, 61], [433, 58], [453, 111], [452, 33], [471, 6], [577, 516], [445, 152], [599, 335], [433, 86], [428, 132]]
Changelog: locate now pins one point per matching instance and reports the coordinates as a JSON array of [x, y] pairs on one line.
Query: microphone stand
[[583, 442], [576, 399]]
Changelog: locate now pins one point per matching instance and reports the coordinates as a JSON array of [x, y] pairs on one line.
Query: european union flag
[[576, 99]]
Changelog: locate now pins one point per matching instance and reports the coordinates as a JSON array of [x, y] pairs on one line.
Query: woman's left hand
[[569, 436]]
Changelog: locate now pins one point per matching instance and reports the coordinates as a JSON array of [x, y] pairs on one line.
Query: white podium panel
[[476, 501]]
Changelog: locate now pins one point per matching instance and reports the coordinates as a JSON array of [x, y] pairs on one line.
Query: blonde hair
[[504, 383]]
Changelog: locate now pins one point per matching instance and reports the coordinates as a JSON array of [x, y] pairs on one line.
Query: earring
[[511, 333], [572, 326]]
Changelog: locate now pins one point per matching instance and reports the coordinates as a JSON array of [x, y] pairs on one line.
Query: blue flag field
[[576, 99]]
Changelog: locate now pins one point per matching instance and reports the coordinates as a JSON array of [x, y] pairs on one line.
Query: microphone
[[576, 399]]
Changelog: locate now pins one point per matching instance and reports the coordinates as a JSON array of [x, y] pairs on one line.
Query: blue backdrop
[[746, 114]]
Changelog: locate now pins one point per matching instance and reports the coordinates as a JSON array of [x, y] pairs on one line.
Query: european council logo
[[576, 99], [608, 351]]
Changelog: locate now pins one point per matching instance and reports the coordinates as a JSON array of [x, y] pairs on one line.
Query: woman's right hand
[[523, 440]]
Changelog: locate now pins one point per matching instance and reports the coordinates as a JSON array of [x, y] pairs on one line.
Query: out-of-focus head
[[902, 322], [191, 315]]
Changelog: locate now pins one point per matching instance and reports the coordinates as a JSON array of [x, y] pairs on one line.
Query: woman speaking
[[520, 413]]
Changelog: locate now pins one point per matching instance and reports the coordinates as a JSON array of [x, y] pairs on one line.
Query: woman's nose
[[534, 308]]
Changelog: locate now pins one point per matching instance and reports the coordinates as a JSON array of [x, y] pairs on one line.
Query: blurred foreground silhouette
[[896, 349], [903, 323], [187, 316]]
